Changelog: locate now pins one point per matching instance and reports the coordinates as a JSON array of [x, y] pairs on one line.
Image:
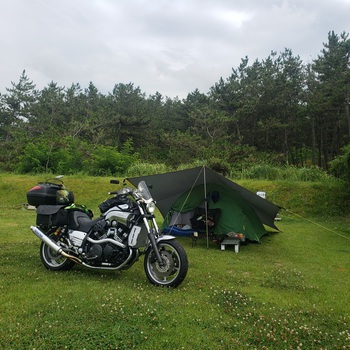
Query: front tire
[[52, 260], [174, 268]]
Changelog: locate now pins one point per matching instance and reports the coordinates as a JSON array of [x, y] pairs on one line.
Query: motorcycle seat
[[86, 225], [81, 221]]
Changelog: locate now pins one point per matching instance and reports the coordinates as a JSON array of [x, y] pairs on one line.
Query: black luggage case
[[49, 194], [51, 215]]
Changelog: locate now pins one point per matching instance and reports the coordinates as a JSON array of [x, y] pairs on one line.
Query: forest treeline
[[278, 110]]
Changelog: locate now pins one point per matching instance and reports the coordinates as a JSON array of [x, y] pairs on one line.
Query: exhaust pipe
[[55, 247]]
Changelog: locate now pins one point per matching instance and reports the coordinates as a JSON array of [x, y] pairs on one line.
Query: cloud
[[172, 47]]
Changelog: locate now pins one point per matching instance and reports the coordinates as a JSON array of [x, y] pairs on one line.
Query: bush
[[69, 155], [262, 172], [340, 166], [106, 160], [291, 173], [34, 158], [72, 157], [141, 169]]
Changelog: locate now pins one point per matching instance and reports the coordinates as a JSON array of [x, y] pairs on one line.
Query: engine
[[107, 246], [106, 253]]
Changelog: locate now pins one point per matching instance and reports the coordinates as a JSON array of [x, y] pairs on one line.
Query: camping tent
[[178, 194]]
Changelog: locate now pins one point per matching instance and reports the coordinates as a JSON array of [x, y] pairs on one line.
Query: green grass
[[290, 292]]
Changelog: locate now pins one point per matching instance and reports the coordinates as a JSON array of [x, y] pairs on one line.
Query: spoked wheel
[[174, 265], [53, 260]]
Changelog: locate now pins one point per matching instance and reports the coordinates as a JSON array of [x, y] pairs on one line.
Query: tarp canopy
[[242, 211]]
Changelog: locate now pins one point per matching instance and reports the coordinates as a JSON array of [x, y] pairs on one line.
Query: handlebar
[[113, 192]]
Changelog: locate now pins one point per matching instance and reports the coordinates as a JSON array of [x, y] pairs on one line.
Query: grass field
[[290, 292]]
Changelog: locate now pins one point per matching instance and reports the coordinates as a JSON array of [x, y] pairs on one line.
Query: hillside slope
[[312, 199]]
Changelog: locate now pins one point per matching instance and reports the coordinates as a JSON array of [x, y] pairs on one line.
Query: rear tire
[[174, 268], [52, 260]]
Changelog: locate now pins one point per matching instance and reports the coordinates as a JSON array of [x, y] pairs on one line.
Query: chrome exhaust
[[47, 240], [55, 247]]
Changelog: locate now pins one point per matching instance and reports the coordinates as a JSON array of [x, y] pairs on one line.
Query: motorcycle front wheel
[[174, 265], [52, 260]]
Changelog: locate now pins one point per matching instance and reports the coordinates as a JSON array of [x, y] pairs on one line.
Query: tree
[[128, 116], [15, 115], [289, 99], [49, 113], [19, 100], [329, 100]]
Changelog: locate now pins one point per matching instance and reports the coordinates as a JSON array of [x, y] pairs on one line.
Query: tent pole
[[206, 206]]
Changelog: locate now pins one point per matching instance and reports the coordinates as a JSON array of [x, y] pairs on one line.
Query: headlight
[[151, 207]]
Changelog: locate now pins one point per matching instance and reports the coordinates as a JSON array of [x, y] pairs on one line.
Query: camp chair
[[204, 223]]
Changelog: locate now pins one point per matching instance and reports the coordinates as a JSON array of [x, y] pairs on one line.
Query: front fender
[[165, 238], [153, 245]]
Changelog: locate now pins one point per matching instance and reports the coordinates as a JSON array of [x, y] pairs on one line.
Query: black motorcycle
[[125, 230]]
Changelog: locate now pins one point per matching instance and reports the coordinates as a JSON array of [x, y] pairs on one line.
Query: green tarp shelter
[[179, 193]]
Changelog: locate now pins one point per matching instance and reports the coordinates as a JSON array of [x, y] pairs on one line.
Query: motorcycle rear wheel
[[174, 268], [52, 260]]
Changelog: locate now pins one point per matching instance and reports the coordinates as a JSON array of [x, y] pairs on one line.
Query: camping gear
[[180, 194]]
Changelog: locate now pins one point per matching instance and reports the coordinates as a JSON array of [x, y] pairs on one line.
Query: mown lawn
[[290, 292]]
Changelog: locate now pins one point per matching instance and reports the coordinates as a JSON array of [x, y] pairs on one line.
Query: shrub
[[141, 168], [106, 160], [340, 166], [270, 172], [34, 158]]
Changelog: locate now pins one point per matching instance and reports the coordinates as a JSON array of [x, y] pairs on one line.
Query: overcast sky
[[169, 46]]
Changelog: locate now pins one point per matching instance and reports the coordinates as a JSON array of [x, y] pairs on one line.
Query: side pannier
[[51, 215]]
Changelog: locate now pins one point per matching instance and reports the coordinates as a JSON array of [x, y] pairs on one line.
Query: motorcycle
[[125, 230]]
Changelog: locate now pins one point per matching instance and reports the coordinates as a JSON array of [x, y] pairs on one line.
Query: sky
[[168, 46]]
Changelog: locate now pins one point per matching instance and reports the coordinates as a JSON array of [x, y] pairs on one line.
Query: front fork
[[152, 232]]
